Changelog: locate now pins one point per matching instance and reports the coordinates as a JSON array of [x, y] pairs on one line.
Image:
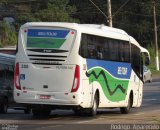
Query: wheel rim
[[95, 106], [129, 104]]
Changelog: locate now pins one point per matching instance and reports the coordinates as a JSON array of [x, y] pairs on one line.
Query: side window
[[124, 51], [83, 46], [88, 47], [113, 50], [135, 56], [97, 47], [91, 51]]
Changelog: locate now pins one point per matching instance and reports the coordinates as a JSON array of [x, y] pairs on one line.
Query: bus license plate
[[44, 96]]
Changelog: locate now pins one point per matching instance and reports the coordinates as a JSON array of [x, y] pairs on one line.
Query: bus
[[7, 63], [82, 67]]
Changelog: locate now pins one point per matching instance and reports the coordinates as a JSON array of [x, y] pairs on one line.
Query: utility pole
[[155, 35], [109, 21]]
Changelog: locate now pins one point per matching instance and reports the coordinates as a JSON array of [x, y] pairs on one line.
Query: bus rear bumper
[[48, 98]]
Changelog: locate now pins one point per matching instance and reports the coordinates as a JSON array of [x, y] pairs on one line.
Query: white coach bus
[[78, 66]]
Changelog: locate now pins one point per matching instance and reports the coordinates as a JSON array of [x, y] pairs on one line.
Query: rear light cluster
[[76, 81], [16, 77]]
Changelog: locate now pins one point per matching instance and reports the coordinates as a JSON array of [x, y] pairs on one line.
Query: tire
[[89, 111], [93, 110], [4, 106], [126, 110]]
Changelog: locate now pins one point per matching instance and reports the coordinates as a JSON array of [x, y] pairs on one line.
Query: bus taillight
[[16, 77], [76, 81]]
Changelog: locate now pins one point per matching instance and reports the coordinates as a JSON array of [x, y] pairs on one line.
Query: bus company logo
[[47, 51], [122, 71]]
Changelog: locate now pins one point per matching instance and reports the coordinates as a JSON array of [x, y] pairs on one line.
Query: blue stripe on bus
[[47, 33], [116, 69]]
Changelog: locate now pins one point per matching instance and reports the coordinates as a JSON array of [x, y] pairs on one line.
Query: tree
[[32, 11], [56, 11], [136, 17]]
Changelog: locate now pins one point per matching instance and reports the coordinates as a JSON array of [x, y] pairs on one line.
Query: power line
[[126, 24], [120, 8], [99, 9], [124, 12], [145, 15]]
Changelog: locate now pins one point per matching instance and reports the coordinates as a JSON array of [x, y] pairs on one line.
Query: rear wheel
[[93, 110], [126, 110], [89, 111], [4, 106]]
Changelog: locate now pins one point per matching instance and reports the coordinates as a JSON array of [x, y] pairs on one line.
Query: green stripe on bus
[[114, 89], [44, 42]]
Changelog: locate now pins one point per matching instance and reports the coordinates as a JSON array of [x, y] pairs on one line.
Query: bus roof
[[75, 25], [84, 28], [96, 29], [106, 28], [133, 41]]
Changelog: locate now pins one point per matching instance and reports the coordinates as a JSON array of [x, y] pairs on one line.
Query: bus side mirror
[[147, 60]]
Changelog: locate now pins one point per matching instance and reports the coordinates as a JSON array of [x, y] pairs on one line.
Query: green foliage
[[33, 11], [23, 19], [56, 11], [136, 17], [8, 35], [45, 11]]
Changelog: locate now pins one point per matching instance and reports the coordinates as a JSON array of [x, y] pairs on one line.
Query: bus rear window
[[50, 38]]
